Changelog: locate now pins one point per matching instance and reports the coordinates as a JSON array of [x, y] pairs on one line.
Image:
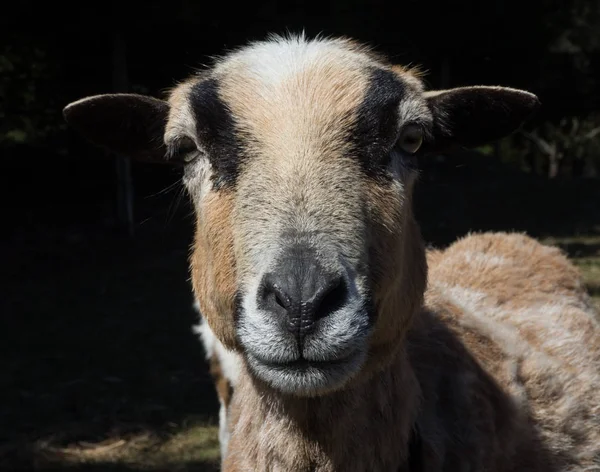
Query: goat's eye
[[411, 138], [186, 150]]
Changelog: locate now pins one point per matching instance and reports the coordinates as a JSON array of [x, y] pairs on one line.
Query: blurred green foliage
[[28, 112]]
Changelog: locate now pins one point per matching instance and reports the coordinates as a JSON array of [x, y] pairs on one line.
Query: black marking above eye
[[217, 131], [376, 127]]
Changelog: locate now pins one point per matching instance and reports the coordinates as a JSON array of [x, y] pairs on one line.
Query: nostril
[[281, 298], [273, 297], [330, 299]]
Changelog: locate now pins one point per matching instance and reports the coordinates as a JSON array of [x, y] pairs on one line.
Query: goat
[[355, 348], [224, 368]]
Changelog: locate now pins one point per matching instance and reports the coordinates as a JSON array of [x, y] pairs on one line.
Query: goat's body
[[501, 372], [300, 157], [520, 311]]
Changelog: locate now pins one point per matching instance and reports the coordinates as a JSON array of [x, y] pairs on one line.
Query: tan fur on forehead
[[283, 91]]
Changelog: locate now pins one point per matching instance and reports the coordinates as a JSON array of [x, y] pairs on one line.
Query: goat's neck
[[355, 429], [365, 426]]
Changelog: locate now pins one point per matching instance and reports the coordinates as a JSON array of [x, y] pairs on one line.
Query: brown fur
[[213, 266], [537, 333]]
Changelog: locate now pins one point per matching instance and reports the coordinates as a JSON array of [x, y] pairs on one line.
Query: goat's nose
[[302, 295]]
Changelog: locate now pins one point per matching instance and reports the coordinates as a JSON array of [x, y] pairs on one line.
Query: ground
[[101, 368]]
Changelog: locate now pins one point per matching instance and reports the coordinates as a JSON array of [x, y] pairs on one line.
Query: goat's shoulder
[[509, 340], [517, 293], [508, 265]]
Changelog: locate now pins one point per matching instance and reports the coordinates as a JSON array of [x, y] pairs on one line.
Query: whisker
[[174, 205], [167, 189]]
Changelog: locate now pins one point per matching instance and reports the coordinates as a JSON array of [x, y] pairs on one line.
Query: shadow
[[96, 327], [469, 192], [441, 356], [579, 249]]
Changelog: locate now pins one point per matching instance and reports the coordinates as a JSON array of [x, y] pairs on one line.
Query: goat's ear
[[472, 116], [128, 124]]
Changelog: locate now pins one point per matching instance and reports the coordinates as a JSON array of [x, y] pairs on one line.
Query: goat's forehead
[[273, 63], [294, 84], [294, 88]]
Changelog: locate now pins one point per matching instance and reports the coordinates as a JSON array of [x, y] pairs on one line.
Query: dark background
[[95, 307]]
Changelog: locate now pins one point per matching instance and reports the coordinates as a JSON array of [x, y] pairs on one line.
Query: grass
[[590, 268], [584, 251], [191, 448]]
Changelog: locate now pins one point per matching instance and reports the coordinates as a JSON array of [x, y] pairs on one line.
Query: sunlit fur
[[496, 368]]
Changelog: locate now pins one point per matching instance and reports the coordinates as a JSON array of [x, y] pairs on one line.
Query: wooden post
[[123, 163]]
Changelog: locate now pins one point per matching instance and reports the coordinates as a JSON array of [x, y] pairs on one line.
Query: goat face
[[315, 169], [299, 157]]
